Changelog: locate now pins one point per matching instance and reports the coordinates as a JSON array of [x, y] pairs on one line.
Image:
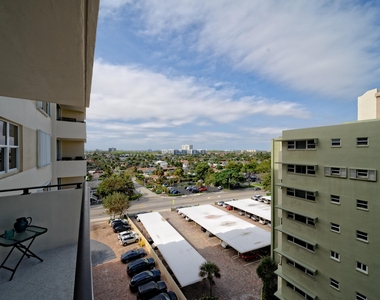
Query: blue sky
[[227, 75]]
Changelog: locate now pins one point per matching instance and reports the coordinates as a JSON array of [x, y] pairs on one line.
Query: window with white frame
[[9, 147], [363, 174], [301, 218], [361, 267], [362, 141], [336, 172], [300, 267], [335, 227], [301, 243], [44, 106], [43, 151], [360, 296], [301, 169], [334, 283], [335, 142], [299, 291], [334, 255], [335, 199], [301, 194], [362, 236], [361, 204], [302, 145]]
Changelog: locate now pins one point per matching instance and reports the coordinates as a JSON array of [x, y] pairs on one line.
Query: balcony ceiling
[[47, 50]]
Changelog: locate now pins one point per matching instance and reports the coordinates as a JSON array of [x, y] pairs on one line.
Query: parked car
[[129, 239], [220, 187], [252, 255], [263, 221], [121, 228], [202, 189], [220, 203], [256, 197], [174, 191], [229, 207], [257, 188], [165, 184], [188, 219], [195, 190], [254, 218], [203, 229], [139, 265], [132, 255], [165, 296], [248, 215], [118, 222], [151, 289], [241, 212], [144, 277], [124, 233]]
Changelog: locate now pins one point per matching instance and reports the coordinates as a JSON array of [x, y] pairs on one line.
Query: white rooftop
[[181, 257], [239, 234], [257, 208]]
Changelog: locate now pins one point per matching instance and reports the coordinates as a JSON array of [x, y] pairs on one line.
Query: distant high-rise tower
[[187, 147]]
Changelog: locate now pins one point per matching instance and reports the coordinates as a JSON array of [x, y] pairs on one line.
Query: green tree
[[178, 172], [264, 166], [201, 170], [209, 270], [266, 272], [116, 204], [116, 183]]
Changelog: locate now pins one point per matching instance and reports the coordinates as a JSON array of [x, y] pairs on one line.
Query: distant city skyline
[[227, 76]]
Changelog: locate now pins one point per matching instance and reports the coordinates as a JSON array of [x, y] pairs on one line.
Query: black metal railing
[[26, 190], [83, 288]]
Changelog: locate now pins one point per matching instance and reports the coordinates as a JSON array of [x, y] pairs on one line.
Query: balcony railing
[[65, 213]]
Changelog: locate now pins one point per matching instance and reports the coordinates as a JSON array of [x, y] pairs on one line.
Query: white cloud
[[130, 93], [328, 47]]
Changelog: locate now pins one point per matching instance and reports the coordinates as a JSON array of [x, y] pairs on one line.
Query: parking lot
[[239, 279]]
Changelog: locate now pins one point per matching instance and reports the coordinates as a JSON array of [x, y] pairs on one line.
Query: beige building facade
[[325, 211]]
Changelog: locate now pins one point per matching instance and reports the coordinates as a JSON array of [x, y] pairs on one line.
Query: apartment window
[[334, 283], [361, 267], [334, 255], [335, 142], [335, 199], [362, 141], [363, 174], [335, 227], [301, 194], [43, 151], [360, 296], [301, 145], [44, 106], [363, 236], [301, 169], [9, 147], [335, 172], [301, 243], [300, 267], [300, 218], [361, 204], [299, 291]]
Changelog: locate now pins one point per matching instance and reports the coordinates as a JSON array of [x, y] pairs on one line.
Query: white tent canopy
[[239, 234], [257, 208], [181, 257]]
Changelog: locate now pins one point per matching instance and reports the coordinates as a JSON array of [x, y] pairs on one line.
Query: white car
[[124, 233], [129, 239], [220, 203]]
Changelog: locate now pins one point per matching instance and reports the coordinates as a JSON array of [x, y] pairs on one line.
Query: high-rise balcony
[[71, 129], [65, 272]]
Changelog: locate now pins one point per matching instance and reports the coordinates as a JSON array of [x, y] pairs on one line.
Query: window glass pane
[[13, 135], [3, 132], [300, 194], [300, 144], [2, 155], [12, 158]]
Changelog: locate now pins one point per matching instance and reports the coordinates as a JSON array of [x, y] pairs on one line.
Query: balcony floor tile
[[51, 279]]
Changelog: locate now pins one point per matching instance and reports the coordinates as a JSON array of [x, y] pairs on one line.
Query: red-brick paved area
[[239, 280]]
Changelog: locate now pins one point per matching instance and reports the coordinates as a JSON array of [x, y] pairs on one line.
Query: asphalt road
[[153, 202]]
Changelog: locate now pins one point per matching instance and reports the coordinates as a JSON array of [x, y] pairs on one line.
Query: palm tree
[[209, 270]]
